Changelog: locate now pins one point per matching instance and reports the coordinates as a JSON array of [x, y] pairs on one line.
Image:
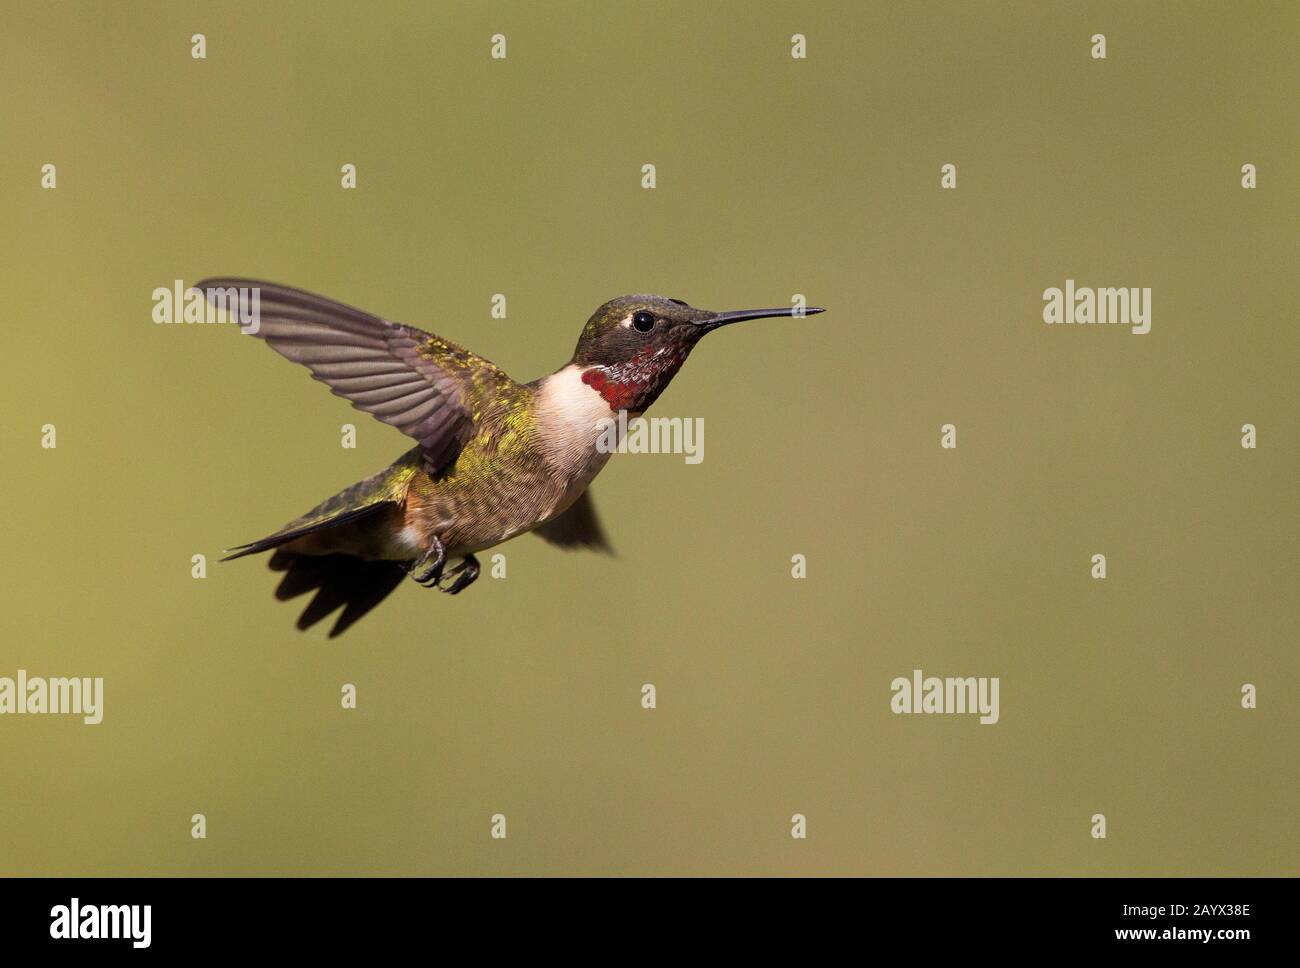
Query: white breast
[[571, 419]]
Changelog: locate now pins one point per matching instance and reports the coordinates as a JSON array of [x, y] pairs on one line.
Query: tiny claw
[[466, 573], [427, 571]]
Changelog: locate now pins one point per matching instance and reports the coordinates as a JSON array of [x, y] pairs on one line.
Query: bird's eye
[[643, 321]]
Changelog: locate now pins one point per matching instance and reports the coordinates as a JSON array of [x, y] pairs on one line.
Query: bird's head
[[633, 346]]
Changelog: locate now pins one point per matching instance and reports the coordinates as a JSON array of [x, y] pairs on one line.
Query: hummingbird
[[493, 458]]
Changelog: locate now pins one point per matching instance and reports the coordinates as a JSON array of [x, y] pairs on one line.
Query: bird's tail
[[299, 530], [338, 580], [347, 522], [364, 498]]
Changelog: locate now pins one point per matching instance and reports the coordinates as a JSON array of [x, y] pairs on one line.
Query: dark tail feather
[[338, 580], [310, 526]]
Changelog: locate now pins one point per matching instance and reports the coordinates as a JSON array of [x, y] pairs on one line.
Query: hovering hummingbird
[[494, 458]]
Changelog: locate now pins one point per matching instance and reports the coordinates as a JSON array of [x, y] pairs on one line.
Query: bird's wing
[[427, 387], [577, 527]]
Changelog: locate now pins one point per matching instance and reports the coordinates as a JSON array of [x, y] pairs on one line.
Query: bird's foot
[[466, 573], [428, 570]]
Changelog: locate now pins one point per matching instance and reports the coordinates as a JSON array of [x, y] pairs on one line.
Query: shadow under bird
[[493, 458]]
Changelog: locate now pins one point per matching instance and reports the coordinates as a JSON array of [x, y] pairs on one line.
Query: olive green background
[[775, 176]]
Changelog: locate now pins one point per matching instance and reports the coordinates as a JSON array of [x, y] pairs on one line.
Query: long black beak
[[740, 315]]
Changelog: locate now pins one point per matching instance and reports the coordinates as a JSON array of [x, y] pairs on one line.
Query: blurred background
[[775, 176]]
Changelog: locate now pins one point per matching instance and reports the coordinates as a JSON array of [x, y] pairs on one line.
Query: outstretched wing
[[425, 386], [577, 527]]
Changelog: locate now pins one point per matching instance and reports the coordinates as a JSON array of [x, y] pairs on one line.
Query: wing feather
[[577, 527], [405, 377]]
